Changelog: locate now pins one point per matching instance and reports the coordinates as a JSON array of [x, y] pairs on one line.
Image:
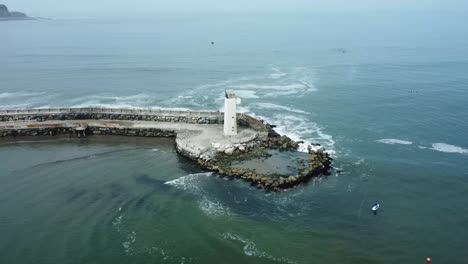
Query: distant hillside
[[5, 14]]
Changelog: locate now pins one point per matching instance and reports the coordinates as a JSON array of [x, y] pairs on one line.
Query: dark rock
[[292, 179]]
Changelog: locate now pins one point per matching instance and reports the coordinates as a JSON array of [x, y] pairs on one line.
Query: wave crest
[[443, 147], [393, 141]]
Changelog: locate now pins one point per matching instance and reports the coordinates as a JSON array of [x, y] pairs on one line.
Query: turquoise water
[[385, 94]]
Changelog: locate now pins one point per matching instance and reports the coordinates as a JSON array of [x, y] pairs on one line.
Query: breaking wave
[[300, 128], [392, 141], [290, 121], [442, 147]]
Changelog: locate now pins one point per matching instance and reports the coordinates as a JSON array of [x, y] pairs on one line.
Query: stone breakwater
[[199, 136], [318, 163]]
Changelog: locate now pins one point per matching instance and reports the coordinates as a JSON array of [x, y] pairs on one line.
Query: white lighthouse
[[230, 119]]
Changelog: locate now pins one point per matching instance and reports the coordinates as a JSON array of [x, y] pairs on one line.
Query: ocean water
[[386, 94]]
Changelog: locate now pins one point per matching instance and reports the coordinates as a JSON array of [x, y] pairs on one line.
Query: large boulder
[[229, 151]]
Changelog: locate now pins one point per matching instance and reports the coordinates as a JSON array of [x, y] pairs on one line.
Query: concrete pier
[[198, 134]]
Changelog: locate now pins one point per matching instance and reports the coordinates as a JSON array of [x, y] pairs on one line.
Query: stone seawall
[[197, 133], [75, 131], [191, 117]]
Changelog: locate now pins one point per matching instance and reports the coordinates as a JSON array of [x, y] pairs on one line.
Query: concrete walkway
[[195, 139]]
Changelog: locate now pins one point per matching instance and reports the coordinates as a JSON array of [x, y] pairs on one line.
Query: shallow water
[[285, 163], [391, 109]]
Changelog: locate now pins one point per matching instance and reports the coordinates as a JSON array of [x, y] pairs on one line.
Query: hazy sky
[[148, 7]]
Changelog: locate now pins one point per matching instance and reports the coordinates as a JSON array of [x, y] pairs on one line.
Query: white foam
[[120, 98], [224, 84], [393, 141], [159, 250], [292, 86], [207, 204], [170, 108], [247, 94], [118, 223], [104, 105], [130, 101], [213, 207], [277, 74], [278, 107], [189, 182], [282, 93], [251, 250], [127, 245], [17, 94], [299, 128], [15, 106], [242, 109], [443, 147]]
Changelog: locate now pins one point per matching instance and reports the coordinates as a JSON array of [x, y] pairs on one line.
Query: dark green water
[[386, 94], [121, 200]]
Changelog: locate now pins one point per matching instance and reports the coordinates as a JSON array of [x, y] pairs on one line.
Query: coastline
[[17, 18]]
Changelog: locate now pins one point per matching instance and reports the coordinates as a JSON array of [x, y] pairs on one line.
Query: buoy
[[428, 260]]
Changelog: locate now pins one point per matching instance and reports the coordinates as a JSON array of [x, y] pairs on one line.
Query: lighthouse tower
[[230, 119]]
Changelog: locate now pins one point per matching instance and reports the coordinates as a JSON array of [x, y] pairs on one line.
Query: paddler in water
[[375, 207]]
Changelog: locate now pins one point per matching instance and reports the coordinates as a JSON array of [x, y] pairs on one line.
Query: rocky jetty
[[257, 153], [5, 14], [316, 164]]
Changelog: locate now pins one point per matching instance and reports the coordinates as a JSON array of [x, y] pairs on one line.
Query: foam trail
[[192, 183], [189, 182], [392, 141], [103, 105], [17, 94], [247, 94], [251, 250], [443, 147], [277, 74], [278, 107], [213, 207], [293, 86], [127, 245]]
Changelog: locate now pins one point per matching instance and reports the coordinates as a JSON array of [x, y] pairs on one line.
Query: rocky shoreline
[[5, 14], [318, 163]]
